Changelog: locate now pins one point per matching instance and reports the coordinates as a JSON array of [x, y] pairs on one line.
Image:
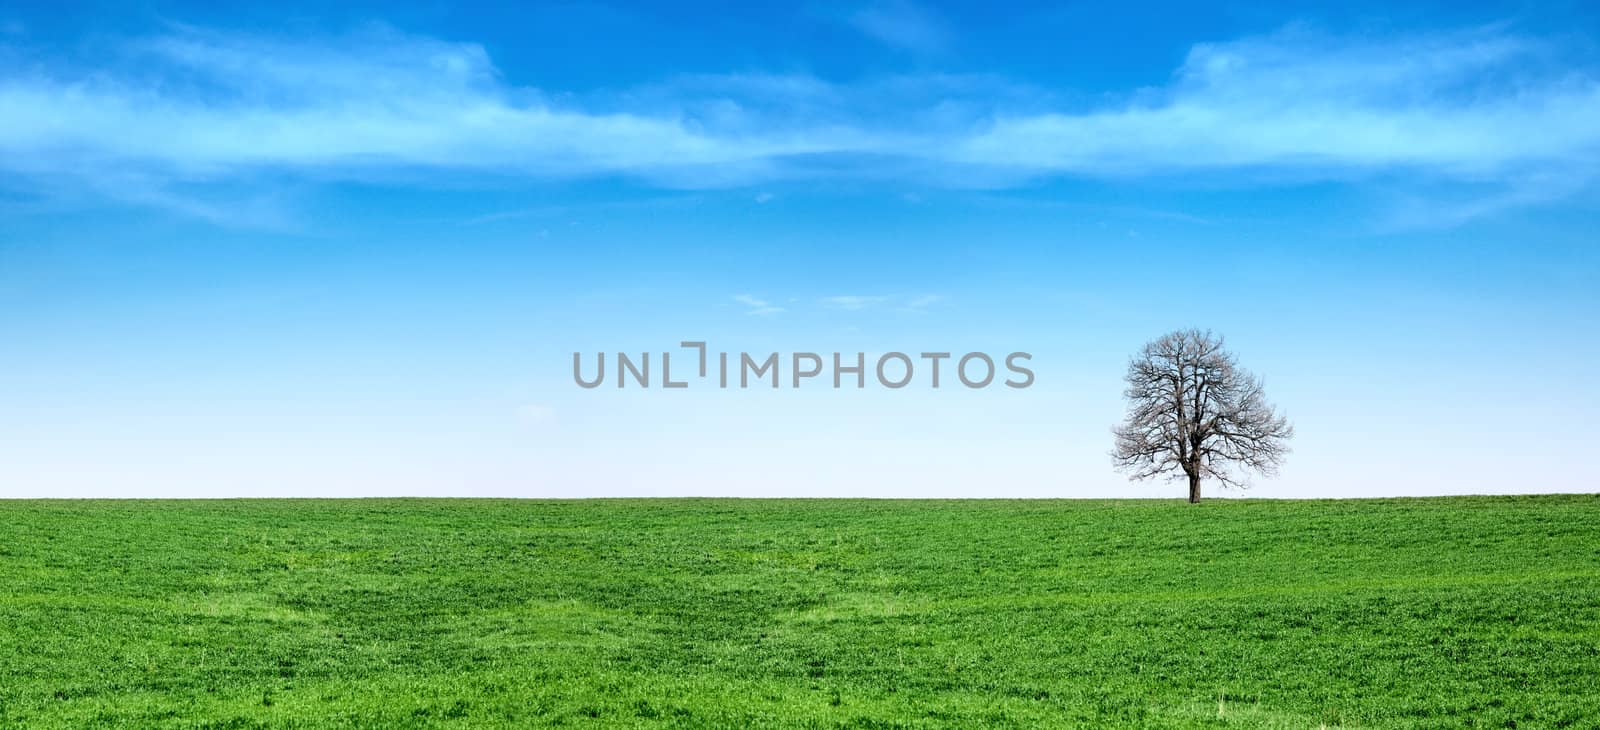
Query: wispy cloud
[[859, 302], [902, 24], [921, 303], [1462, 105], [852, 302], [383, 98], [757, 306], [1434, 209], [193, 108]]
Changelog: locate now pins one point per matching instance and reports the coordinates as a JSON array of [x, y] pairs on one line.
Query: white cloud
[[1295, 101], [857, 302], [382, 99], [193, 109], [852, 302], [902, 24], [757, 306]]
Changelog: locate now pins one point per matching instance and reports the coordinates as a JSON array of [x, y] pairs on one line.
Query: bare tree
[[1193, 411]]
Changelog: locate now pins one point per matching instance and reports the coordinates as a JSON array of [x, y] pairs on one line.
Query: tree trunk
[[1194, 488]]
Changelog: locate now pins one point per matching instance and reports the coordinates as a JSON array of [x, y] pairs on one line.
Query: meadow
[[1404, 613]]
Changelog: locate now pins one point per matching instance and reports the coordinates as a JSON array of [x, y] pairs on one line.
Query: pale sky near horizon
[[351, 253]]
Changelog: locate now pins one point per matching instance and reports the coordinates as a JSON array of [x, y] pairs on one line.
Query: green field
[[1452, 612]]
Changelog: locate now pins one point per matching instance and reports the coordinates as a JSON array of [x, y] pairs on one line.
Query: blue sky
[[313, 252]]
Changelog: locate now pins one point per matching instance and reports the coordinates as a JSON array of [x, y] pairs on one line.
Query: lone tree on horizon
[[1193, 411]]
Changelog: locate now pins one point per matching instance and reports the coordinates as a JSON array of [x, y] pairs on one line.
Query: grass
[[1413, 613]]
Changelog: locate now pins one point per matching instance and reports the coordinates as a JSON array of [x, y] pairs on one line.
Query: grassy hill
[[1448, 612]]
